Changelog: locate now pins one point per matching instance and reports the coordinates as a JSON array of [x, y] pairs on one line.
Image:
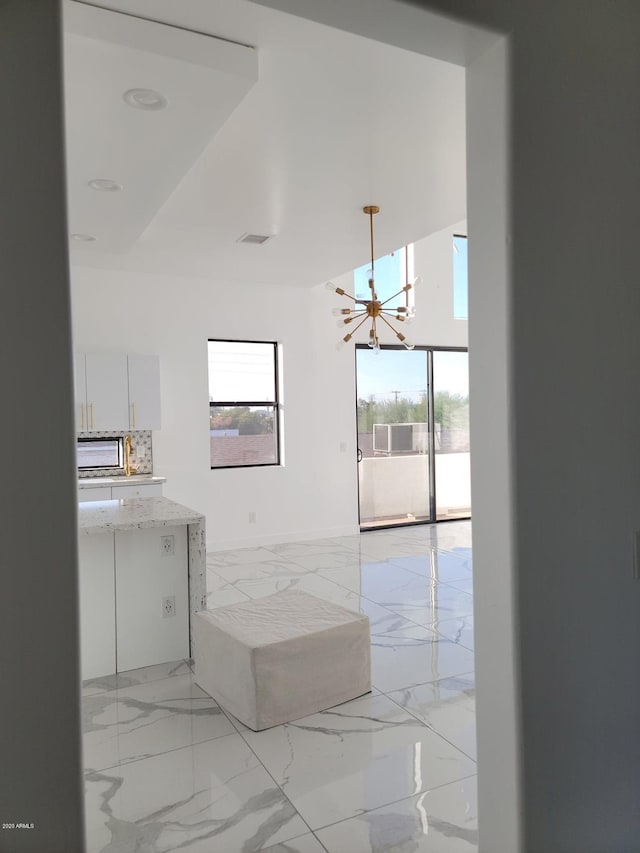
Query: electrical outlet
[[168, 544], [168, 606], [252, 518]]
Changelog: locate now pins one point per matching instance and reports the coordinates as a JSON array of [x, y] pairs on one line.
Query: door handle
[[359, 455]]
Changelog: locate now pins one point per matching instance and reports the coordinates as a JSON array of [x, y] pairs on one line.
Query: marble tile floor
[[391, 772]]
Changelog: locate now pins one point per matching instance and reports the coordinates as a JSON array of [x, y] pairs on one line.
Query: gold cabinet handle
[[91, 414], [81, 417], [133, 416]]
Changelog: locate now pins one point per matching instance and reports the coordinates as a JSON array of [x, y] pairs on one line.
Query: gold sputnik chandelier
[[373, 309]]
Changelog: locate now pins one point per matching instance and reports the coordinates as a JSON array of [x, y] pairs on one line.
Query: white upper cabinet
[[144, 391], [107, 391], [117, 392]]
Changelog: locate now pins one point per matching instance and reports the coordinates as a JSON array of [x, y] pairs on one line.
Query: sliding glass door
[[393, 442], [413, 436]]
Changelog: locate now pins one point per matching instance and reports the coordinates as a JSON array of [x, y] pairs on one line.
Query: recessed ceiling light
[[83, 238], [105, 186], [145, 99]]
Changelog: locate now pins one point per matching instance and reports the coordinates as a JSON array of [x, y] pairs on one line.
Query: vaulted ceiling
[[273, 125]]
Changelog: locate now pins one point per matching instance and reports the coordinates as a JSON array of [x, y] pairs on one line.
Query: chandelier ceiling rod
[[371, 209]]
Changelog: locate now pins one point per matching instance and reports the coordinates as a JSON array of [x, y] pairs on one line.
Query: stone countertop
[[133, 480], [132, 514]]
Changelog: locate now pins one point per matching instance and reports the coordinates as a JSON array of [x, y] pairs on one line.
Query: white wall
[[315, 493], [40, 748], [433, 260], [491, 404]]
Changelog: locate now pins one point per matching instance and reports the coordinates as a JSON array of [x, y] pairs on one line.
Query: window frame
[[457, 316], [273, 404]]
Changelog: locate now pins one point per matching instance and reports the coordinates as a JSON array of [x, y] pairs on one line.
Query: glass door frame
[[431, 433]]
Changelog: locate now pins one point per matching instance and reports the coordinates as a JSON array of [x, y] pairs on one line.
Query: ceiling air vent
[[256, 239]]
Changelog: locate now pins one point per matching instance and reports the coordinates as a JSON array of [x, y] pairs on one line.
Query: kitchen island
[[142, 576]]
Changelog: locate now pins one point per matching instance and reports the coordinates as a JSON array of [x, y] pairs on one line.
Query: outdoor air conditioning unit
[[400, 438]]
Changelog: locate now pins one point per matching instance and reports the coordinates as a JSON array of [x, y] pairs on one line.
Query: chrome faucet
[[128, 449]]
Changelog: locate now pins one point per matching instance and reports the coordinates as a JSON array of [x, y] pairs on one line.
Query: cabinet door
[[94, 493], [107, 397], [97, 605], [144, 392], [80, 381], [146, 574], [143, 490]]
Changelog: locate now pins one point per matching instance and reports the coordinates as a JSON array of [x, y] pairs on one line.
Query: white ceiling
[[335, 121]]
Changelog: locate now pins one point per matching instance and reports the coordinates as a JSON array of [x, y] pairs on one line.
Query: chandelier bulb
[[330, 286], [338, 312]]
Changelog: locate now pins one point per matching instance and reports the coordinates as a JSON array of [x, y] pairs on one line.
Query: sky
[[239, 370], [244, 371], [406, 372]]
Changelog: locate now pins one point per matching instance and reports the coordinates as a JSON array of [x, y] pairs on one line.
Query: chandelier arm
[[384, 319], [364, 319], [355, 316], [402, 290]]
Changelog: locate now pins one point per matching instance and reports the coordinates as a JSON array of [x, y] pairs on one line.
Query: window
[[460, 278], [243, 404], [99, 453], [391, 274]]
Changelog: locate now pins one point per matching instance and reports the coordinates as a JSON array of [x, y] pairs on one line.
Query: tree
[[242, 418], [451, 411]]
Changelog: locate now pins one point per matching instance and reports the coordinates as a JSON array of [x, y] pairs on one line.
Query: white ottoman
[[276, 659]]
